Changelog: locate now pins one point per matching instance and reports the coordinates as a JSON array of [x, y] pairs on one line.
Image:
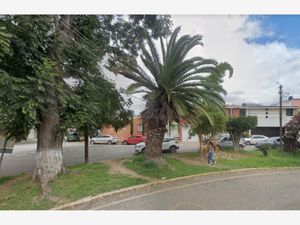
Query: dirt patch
[[116, 167], [12, 181]]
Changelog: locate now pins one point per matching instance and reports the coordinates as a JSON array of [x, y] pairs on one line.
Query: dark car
[[73, 137]]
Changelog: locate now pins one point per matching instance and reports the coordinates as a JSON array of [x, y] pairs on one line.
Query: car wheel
[[109, 142], [125, 143], [142, 151], [92, 142], [248, 143], [172, 149], [241, 147]]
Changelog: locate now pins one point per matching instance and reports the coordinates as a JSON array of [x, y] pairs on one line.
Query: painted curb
[[101, 199]]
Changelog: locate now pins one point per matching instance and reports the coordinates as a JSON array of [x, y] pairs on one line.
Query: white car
[[169, 144], [255, 139], [104, 139]]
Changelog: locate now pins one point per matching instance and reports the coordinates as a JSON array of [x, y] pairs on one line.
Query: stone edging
[[101, 199]]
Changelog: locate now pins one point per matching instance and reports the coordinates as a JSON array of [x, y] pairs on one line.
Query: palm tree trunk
[[154, 139]]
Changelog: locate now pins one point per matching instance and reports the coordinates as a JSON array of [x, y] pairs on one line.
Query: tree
[[51, 56], [175, 87], [236, 126], [208, 125], [291, 134], [98, 104]]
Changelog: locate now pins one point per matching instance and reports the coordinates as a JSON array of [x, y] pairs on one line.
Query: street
[[247, 190], [23, 157]]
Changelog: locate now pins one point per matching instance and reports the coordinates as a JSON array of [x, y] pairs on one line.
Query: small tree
[[291, 135], [236, 126], [210, 125]]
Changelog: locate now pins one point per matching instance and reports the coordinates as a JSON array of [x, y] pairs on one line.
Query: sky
[[263, 50]]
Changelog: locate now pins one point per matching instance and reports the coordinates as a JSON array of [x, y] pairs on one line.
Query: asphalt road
[[260, 190], [23, 157]]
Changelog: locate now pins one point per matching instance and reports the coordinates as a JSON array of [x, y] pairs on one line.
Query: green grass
[[91, 179], [174, 168], [80, 181], [255, 159]]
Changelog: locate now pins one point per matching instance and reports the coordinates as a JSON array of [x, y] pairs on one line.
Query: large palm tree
[[173, 85]]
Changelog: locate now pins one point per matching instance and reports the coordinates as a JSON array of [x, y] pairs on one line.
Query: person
[[211, 154]]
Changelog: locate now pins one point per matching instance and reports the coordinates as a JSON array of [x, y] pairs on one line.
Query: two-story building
[[267, 115]]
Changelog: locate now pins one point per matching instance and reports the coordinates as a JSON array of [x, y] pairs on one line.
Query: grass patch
[[80, 181], [174, 168], [255, 159], [91, 179]]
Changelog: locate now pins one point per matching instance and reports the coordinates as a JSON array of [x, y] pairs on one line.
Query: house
[[267, 115]]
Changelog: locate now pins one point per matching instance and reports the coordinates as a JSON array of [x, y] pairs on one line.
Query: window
[[289, 112], [140, 127], [242, 112]]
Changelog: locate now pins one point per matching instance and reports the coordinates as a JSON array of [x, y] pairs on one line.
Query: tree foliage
[[236, 126], [291, 134], [31, 66], [203, 125]]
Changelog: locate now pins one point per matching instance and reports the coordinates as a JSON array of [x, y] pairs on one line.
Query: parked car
[[226, 141], [73, 137], [255, 139], [133, 140], [169, 144], [104, 139], [272, 141]]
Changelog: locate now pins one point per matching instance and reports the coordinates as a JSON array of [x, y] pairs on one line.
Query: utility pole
[[280, 114]]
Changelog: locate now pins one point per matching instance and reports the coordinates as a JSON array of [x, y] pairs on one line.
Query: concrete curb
[[102, 199]]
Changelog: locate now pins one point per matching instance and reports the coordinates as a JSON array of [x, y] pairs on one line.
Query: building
[[267, 115], [178, 131]]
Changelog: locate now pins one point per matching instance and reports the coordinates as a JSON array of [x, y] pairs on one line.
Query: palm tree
[[173, 86]]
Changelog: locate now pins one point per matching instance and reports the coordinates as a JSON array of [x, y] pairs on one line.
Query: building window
[[242, 112], [289, 112], [140, 127]]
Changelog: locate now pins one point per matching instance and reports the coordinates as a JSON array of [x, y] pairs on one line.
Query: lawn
[[241, 159], [174, 168], [255, 159], [80, 181]]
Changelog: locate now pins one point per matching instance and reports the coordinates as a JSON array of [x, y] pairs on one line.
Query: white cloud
[[257, 68]]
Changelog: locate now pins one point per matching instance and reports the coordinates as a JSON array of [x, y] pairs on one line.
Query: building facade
[[267, 115]]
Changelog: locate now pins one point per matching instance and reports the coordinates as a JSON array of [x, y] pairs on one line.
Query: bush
[[264, 149]]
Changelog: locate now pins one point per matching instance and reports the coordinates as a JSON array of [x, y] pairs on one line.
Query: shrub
[[264, 149]]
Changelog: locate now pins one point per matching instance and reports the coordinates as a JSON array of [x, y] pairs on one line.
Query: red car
[[135, 139]]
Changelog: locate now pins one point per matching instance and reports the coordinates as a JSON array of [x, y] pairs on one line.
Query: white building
[[268, 117]]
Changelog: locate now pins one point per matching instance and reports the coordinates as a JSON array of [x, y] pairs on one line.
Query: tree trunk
[[49, 149], [86, 146], [200, 150], [236, 142], [154, 139]]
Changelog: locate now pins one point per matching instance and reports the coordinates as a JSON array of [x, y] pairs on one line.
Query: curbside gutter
[[91, 202]]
